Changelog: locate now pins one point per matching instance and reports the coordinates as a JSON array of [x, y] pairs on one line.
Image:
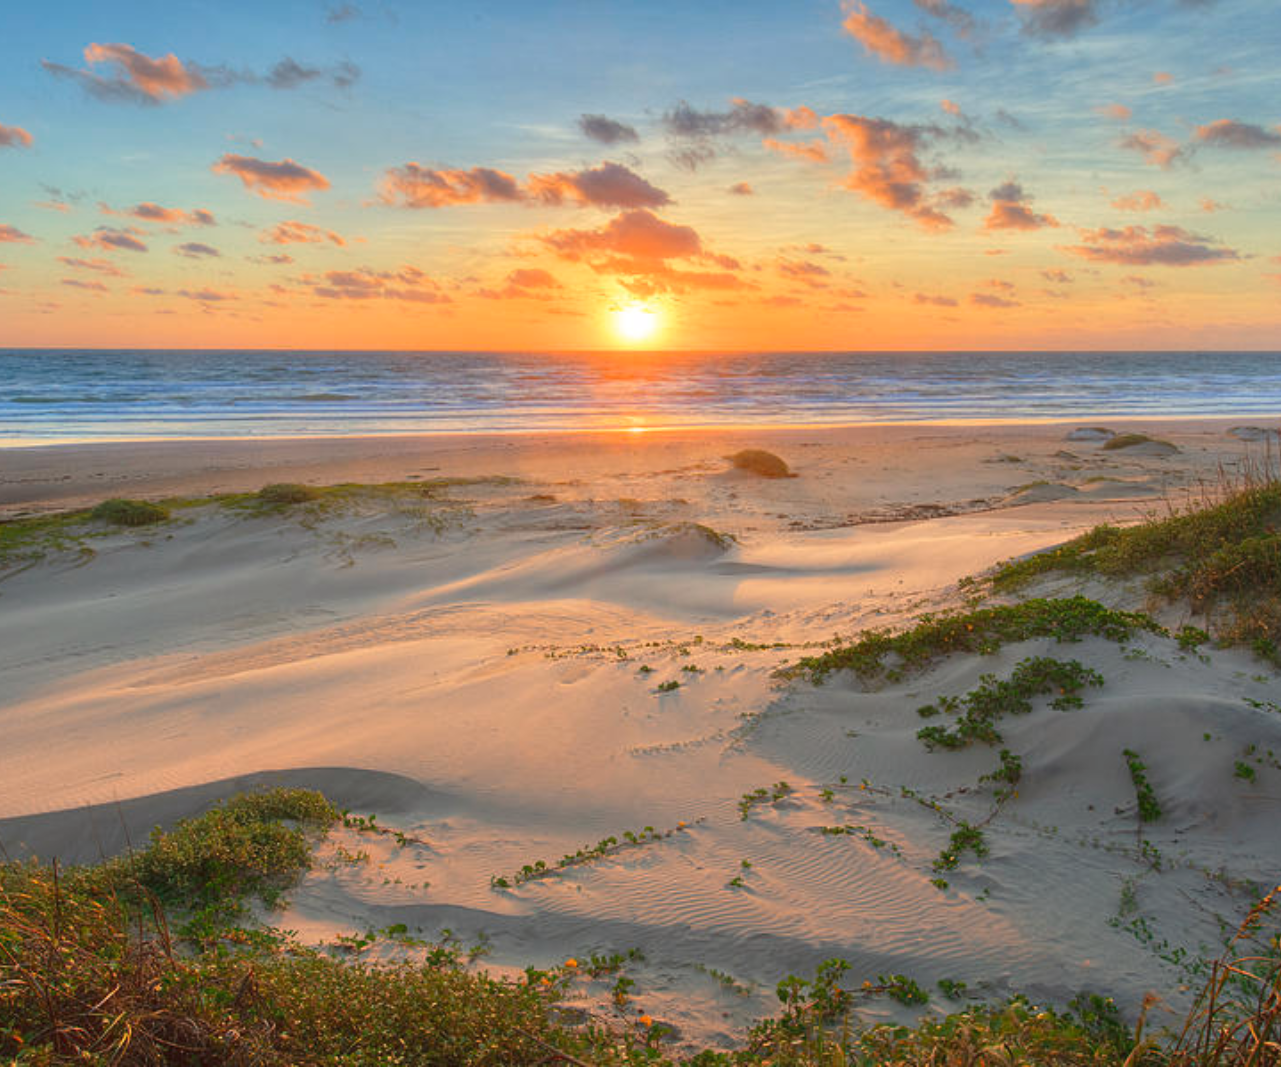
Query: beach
[[525, 645]]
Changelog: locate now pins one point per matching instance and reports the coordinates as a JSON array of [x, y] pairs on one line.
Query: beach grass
[[1222, 557]]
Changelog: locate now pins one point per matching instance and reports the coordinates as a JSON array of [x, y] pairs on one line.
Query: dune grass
[[885, 654], [90, 973], [1222, 557]]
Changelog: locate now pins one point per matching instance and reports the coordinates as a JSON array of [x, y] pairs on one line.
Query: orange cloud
[[13, 235], [93, 287], [285, 180], [607, 185], [1154, 147], [196, 250], [527, 282], [149, 212], [936, 301], [638, 234], [416, 186], [989, 300], [1143, 200], [742, 189], [1119, 112], [879, 38], [887, 170], [110, 239], [950, 106], [1136, 246], [1011, 210], [1228, 133], [407, 284], [298, 233], [14, 137], [814, 151], [136, 78], [100, 266]]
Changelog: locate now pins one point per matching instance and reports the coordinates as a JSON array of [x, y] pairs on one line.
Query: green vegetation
[[669, 686], [965, 838], [607, 846], [880, 653], [995, 698], [1223, 558], [1129, 440], [90, 973], [288, 493], [121, 512], [761, 795], [1149, 807]]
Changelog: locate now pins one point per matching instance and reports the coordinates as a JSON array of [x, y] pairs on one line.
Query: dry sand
[[469, 667]]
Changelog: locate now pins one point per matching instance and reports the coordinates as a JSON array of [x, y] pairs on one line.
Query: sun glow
[[635, 323]]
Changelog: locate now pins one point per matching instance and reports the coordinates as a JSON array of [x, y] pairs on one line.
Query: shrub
[[287, 493], [121, 512]]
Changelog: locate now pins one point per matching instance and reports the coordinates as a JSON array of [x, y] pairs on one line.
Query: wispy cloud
[[1155, 147], [1056, 18], [110, 239], [150, 212], [1142, 200], [608, 185], [98, 266], [1228, 133], [299, 233], [13, 235], [196, 250], [406, 284]]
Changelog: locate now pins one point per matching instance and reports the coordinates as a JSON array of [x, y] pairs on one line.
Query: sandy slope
[[469, 667]]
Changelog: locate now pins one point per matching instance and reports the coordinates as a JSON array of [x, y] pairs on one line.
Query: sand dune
[[484, 668]]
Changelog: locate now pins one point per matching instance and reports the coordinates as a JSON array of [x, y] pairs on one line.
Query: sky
[[597, 174]]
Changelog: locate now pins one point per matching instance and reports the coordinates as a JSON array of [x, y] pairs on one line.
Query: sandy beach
[[486, 661]]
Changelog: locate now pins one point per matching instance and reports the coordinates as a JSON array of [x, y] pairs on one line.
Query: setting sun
[[635, 323]]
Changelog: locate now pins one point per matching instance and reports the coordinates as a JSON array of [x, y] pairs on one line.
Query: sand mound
[[1254, 433], [1140, 444], [1040, 493], [1090, 433], [758, 461]]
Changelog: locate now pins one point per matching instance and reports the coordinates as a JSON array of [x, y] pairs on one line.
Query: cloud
[[285, 180], [989, 300], [803, 269], [1228, 133], [1119, 112], [135, 78], [958, 18], [1137, 246], [99, 266], [274, 260], [879, 38], [93, 287], [636, 246], [415, 186], [1011, 210], [742, 117], [1056, 18], [289, 74], [109, 239], [814, 151], [742, 189], [1139, 282], [887, 167], [1163, 77], [14, 137], [950, 106], [408, 284], [1061, 277], [13, 235], [1142, 200], [607, 185], [1210, 206], [1155, 147], [149, 212], [195, 250], [298, 233], [205, 296], [606, 130], [526, 282], [936, 301], [342, 13]]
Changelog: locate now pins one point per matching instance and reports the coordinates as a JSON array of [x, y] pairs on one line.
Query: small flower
[[647, 1020], [680, 826], [571, 963]]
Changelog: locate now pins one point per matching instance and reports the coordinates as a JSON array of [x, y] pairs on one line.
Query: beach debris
[[758, 461], [1091, 433]]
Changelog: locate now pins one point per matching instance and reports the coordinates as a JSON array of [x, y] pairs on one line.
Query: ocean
[[78, 395]]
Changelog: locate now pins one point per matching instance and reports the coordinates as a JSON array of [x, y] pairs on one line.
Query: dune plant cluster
[[91, 973], [1223, 558], [884, 654], [607, 846]]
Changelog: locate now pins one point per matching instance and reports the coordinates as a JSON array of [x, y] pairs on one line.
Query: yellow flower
[[571, 963], [647, 1020], [680, 826]]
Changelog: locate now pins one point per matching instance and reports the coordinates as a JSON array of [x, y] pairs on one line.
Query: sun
[[635, 322]]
